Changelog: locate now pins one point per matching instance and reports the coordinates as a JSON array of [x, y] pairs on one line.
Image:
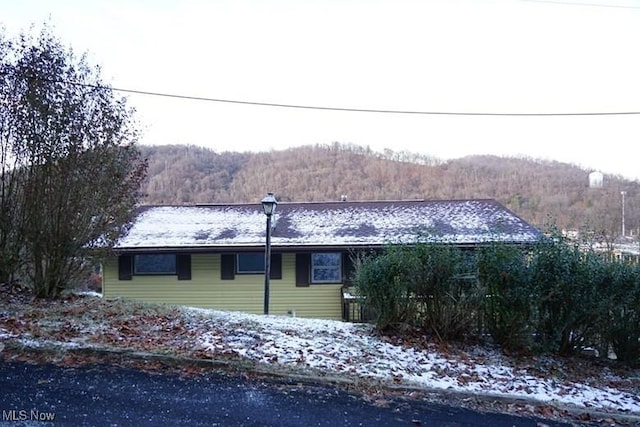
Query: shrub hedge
[[554, 297]]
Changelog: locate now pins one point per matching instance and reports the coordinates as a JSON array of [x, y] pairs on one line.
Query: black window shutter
[[276, 266], [183, 265], [347, 268], [125, 267], [302, 269], [227, 266]]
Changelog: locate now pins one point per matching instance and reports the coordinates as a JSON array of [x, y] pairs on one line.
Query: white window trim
[[322, 267]]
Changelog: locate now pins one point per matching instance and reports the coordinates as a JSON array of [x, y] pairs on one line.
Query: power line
[[365, 110], [571, 3], [325, 108]]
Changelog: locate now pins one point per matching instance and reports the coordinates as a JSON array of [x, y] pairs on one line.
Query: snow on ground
[[339, 348], [320, 347]]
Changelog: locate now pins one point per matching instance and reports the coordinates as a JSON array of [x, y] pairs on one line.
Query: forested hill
[[541, 192]]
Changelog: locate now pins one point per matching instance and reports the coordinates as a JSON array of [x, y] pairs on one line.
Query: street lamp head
[[269, 204]]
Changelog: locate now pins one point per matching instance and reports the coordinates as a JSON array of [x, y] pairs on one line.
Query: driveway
[[102, 395]]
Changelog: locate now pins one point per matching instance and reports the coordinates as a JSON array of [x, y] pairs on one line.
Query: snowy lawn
[[318, 347], [351, 349]]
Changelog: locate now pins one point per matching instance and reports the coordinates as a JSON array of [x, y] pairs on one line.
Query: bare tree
[[9, 191], [76, 164]]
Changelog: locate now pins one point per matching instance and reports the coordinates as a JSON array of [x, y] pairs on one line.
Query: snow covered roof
[[344, 224]]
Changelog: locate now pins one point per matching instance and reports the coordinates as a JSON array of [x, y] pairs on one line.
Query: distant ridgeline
[[541, 192]]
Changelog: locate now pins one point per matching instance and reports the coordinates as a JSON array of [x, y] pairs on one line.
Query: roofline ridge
[[315, 202]]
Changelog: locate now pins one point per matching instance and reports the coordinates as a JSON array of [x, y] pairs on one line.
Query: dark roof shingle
[[327, 224]]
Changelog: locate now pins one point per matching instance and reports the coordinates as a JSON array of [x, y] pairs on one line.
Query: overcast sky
[[441, 56]]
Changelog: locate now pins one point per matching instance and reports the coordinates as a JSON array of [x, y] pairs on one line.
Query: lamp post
[[269, 204], [623, 193]]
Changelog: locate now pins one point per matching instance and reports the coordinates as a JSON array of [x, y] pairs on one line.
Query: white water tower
[[596, 179]]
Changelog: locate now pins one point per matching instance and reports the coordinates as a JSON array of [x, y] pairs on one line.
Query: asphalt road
[[100, 395]]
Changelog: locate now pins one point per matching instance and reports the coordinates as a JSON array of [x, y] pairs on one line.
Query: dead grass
[[130, 326], [120, 323]]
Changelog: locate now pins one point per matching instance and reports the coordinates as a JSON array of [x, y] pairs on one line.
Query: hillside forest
[[542, 192]]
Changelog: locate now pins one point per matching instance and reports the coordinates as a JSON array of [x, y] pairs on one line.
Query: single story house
[[213, 256]]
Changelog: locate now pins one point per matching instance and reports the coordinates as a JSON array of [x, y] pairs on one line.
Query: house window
[[154, 264], [250, 263], [326, 267]]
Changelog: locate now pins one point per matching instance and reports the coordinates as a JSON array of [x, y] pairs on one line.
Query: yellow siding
[[245, 293]]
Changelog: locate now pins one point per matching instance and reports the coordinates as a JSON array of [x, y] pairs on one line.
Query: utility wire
[[364, 110], [324, 108], [570, 3]]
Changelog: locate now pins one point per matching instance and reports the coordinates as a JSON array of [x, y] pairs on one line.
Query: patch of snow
[[375, 223], [5, 334], [40, 343], [346, 348], [89, 294]]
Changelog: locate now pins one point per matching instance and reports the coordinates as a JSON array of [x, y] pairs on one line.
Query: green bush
[[423, 286], [591, 295], [554, 268], [554, 297], [385, 281], [509, 302], [447, 288], [620, 312]]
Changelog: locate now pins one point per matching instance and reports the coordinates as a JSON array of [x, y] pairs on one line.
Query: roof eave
[[295, 247]]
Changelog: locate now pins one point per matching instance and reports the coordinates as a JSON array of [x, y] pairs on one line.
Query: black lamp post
[[623, 193], [269, 204]]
